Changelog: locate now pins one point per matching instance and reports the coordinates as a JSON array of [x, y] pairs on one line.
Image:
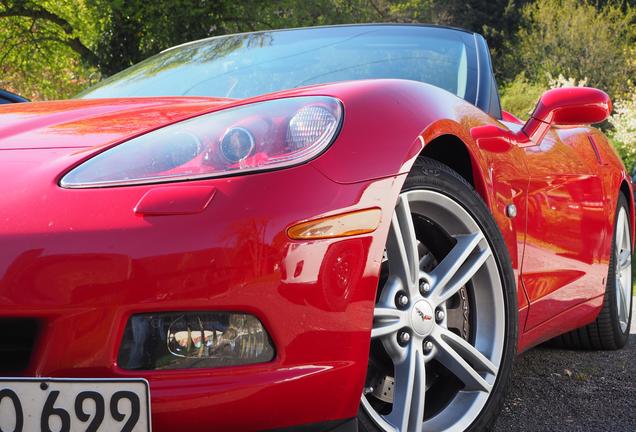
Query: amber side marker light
[[341, 225]]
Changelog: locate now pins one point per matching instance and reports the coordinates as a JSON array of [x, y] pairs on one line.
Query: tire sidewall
[[619, 336]]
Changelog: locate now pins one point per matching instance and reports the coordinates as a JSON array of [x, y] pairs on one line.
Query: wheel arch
[[629, 196], [450, 143], [625, 190], [388, 124], [453, 152]]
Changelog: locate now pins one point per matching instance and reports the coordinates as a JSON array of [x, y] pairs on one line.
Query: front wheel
[[445, 321]]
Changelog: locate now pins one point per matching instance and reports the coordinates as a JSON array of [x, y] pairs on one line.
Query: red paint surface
[[82, 261]]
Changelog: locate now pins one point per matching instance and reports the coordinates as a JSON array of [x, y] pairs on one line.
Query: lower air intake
[[17, 338]]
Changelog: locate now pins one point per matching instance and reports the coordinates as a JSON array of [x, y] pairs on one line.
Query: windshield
[[246, 65]]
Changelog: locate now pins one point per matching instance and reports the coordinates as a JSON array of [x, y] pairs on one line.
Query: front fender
[[389, 123]]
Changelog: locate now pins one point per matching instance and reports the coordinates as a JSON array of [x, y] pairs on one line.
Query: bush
[[624, 134], [520, 96], [578, 39]]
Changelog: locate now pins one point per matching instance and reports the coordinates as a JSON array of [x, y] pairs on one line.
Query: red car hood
[[92, 123]]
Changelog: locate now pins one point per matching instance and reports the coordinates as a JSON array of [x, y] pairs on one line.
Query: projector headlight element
[[237, 144]]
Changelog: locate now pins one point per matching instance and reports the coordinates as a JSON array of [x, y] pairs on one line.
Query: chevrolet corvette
[[329, 228]]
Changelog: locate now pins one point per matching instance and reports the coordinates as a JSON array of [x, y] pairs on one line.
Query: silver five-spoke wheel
[[439, 322]]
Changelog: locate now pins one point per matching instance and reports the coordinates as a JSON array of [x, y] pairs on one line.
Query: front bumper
[[81, 262]]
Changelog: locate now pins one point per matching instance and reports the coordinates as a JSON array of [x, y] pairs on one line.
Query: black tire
[[432, 175], [605, 332]]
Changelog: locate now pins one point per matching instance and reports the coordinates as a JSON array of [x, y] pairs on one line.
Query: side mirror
[[567, 106]]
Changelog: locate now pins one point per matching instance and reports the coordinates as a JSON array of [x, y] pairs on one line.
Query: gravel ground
[[573, 391]]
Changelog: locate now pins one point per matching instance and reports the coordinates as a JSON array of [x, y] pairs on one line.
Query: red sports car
[[332, 228]]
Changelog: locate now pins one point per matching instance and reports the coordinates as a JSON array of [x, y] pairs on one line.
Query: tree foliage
[[624, 133], [520, 96], [594, 43], [43, 45], [578, 39]]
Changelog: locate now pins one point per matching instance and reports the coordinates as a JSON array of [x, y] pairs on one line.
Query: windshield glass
[[246, 65]]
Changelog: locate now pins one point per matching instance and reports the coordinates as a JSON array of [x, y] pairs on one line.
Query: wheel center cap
[[422, 318]]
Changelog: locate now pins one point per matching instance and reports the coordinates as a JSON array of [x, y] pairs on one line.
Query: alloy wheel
[[439, 321], [623, 269]]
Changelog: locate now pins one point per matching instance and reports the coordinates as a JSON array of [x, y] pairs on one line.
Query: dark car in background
[[8, 97]]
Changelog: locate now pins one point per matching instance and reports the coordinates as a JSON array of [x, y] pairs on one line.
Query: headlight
[[259, 136]]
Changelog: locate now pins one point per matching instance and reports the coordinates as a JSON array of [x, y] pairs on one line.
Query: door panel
[[565, 230], [508, 178]]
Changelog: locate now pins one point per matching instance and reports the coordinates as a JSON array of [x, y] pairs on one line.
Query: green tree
[[42, 52], [520, 96], [576, 39]]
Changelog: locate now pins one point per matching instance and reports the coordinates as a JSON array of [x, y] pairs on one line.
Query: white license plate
[[74, 405]]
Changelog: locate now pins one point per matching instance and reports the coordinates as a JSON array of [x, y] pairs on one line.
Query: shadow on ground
[[558, 390]]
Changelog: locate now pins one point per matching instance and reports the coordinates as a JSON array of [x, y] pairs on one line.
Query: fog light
[[193, 340]]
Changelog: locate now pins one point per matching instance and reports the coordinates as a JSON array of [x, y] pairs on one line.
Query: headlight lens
[[260, 136]]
